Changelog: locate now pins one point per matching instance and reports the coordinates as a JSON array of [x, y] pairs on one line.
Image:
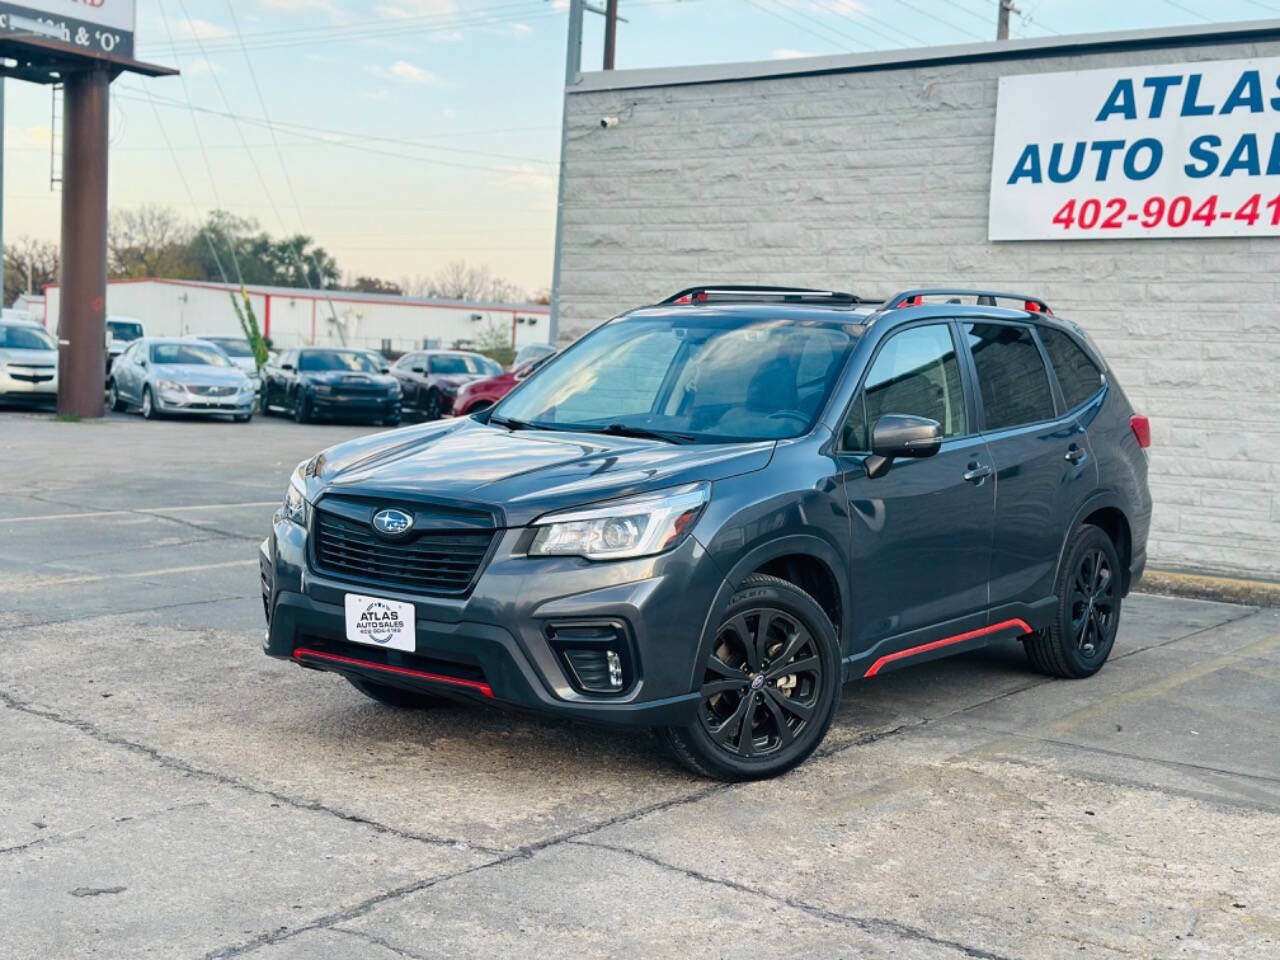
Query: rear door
[[1041, 455], [921, 533]]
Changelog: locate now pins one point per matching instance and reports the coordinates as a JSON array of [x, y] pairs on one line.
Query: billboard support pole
[[82, 305]]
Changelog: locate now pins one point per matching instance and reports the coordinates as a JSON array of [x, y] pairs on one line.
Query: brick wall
[[878, 181]]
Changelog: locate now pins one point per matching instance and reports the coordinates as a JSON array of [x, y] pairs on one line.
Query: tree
[[29, 263], [242, 250], [375, 285], [460, 280], [150, 241]]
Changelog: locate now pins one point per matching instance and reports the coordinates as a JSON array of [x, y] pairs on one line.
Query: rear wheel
[[1079, 640], [396, 697], [769, 686]]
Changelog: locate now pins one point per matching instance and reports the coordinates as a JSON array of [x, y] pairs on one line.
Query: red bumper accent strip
[[302, 652], [1022, 625]]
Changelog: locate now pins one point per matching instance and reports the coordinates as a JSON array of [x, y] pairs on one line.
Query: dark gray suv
[[708, 515]]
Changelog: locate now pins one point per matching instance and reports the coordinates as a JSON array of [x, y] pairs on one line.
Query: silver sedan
[[28, 363], [160, 375]]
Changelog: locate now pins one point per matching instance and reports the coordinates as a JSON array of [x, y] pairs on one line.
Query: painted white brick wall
[[878, 181]]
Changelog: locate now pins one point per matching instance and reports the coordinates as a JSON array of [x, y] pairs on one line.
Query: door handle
[[1075, 453], [977, 472]]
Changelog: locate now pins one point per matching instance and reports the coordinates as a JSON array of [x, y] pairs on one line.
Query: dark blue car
[[710, 514]]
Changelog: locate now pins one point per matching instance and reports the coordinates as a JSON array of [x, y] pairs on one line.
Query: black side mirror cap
[[418, 369], [901, 435], [286, 366]]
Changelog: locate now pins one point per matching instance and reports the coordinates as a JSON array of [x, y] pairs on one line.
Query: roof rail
[[707, 292], [986, 298]]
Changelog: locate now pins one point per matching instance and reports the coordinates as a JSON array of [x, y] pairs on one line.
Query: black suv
[[709, 514]]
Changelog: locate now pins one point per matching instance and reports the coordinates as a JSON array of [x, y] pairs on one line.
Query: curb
[[1261, 593]]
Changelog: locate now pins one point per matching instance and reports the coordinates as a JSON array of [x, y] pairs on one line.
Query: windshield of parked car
[[709, 377], [200, 354], [124, 330], [351, 361], [461, 363], [231, 346], [25, 338]]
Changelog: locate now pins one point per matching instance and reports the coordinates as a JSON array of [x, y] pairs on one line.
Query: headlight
[[249, 386], [295, 499], [636, 527], [169, 385]]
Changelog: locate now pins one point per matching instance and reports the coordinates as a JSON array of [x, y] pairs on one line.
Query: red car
[[478, 394]]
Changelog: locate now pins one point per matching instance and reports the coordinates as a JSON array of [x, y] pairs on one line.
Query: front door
[[921, 533]]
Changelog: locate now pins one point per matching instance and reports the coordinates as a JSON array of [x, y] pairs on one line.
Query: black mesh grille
[[443, 563]]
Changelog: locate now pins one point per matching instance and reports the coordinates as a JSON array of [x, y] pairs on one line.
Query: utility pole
[[1002, 24], [610, 32], [572, 73]]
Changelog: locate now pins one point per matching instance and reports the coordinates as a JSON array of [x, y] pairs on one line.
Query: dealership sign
[[1182, 150], [81, 26]]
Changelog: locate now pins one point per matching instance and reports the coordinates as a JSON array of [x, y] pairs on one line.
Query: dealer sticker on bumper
[[380, 623]]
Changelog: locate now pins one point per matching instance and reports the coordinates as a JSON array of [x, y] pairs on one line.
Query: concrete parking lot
[[167, 791]]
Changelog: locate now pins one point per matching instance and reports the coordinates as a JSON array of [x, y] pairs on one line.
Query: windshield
[[461, 363], [124, 329], [349, 360], [200, 354], [711, 378], [231, 346], [26, 338]]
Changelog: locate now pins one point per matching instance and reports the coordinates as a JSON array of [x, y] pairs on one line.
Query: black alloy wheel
[[431, 406], [1080, 638], [301, 407], [769, 685]]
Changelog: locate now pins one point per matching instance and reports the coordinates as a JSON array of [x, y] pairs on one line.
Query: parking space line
[[134, 575], [139, 510]]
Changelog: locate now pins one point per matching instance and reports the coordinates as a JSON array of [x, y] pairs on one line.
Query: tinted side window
[[854, 435], [1078, 376], [1014, 382], [917, 372]]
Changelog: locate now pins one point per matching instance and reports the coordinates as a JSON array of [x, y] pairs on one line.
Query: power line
[[790, 6], [799, 26], [933, 16], [1194, 13], [863, 15]]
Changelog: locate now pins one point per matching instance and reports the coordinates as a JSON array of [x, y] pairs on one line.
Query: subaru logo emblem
[[392, 522]]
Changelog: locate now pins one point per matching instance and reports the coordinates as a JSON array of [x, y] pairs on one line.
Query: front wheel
[[770, 685], [148, 405], [1079, 640], [301, 408], [431, 406]]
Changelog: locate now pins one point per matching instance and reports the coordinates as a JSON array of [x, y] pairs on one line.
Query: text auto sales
[[1156, 97]]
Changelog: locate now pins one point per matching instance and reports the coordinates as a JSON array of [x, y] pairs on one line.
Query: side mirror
[[384, 369], [286, 366], [142, 362], [418, 369], [901, 435]]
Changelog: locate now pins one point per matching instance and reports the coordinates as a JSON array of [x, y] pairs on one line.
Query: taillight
[[1141, 428]]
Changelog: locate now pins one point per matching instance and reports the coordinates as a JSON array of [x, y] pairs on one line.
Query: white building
[[291, 317], [883, 171]]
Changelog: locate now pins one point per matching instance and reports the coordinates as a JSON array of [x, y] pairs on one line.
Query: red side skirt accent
[[302, 652], [1022, 625]]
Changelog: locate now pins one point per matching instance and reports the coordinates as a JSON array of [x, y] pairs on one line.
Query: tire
[[301, 408], [391, 421], [396, 697], [1079, 640], [113, 399], [718, 743], [148, 405], [243, 417], [431, 406]]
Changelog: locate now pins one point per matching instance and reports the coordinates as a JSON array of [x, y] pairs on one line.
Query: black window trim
[[1059, 396], [1058, 415], [968, 388]]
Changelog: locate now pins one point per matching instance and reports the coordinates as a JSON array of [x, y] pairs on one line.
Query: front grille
[[207, 390], [31, 374], [442, 563]]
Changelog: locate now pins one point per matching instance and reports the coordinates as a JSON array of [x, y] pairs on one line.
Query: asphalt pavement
[[168, 791]]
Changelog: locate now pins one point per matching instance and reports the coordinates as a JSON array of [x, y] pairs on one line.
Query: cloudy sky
[[403, 134]]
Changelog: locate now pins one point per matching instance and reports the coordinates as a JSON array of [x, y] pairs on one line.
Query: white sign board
[[1181, 150], [84, 26]]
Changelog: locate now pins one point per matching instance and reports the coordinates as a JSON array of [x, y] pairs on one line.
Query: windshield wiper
[[510, 423], [643, 433]]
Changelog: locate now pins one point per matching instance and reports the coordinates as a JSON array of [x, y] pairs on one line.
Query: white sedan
[[28, 363]]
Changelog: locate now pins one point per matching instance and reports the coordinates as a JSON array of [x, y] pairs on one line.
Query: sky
[[406, 134]]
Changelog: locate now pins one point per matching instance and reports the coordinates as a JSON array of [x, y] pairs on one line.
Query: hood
[[197, 373], [247, 364], [36, 358], [456, 380], [338, 378], [521, 474]]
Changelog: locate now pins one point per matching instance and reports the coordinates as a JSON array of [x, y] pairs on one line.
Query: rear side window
[[1011, 375], [1078, 375]]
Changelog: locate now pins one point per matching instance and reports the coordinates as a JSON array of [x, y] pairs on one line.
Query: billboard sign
[[101, 27], [1180, 150]]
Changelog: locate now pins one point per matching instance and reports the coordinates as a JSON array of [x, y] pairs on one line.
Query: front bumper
[[502, 643], [28, 383], [167, 401], [361, 407]]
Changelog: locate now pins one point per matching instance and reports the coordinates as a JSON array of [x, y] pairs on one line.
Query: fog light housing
[[596, 656], [597, 671]]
